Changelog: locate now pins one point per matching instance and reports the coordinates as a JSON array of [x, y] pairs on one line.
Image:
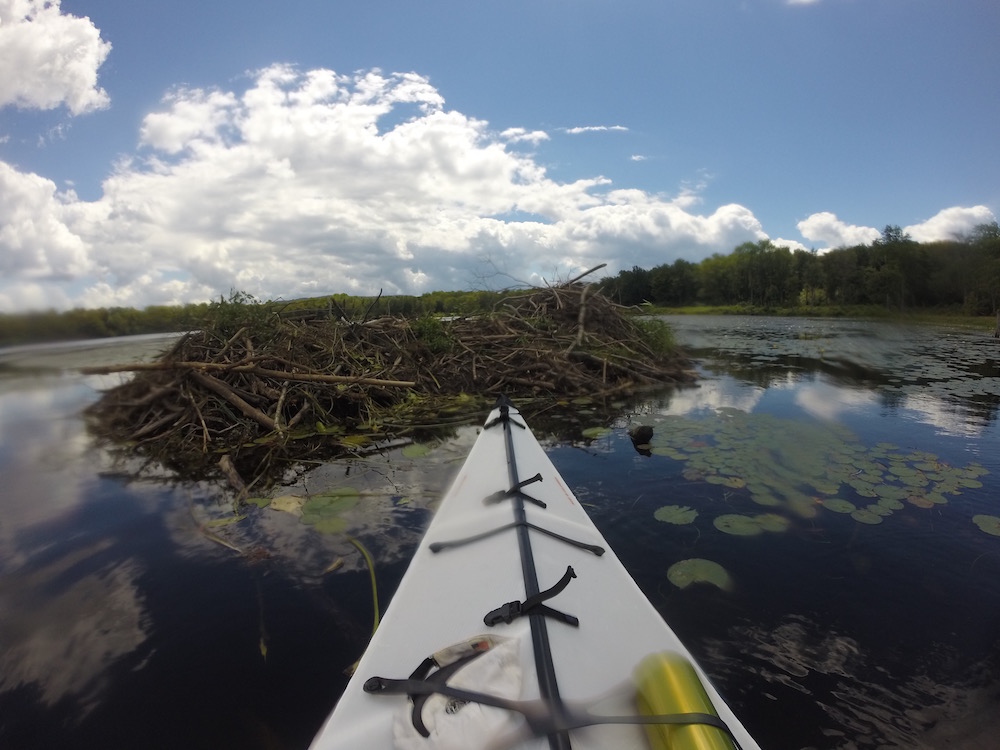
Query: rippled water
[[137, 613]]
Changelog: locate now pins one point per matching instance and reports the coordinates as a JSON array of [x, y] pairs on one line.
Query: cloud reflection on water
[[70, 609]]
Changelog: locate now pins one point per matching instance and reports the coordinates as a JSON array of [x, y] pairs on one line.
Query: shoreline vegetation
[[894, 277], [253, 392]]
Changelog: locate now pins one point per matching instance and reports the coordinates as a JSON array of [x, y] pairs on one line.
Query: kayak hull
[[445, 594]]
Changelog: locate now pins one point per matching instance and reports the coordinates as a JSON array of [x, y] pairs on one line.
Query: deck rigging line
[[548, 686]]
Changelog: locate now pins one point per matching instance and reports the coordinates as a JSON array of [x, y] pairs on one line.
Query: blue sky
[[155, 152]]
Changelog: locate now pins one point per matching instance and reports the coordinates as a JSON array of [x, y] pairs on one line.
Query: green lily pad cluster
[[802, 468]]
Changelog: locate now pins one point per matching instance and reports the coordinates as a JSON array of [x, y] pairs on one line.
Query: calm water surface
[[135, 612]]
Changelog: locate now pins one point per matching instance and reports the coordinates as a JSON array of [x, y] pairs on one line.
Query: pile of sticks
[[263, 392]]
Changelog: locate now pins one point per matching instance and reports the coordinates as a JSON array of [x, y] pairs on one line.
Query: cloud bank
[[55, 56], [827, 231], [302, 183], [313, 182]]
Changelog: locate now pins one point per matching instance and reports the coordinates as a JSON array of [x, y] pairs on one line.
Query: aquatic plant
[[989, 524], [676, 514], [697, 570], [804, 468]]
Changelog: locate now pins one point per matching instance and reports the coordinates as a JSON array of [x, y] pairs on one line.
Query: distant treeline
[[125, 321], [893, 271]]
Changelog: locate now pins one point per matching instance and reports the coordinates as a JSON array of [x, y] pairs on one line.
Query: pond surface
[[840, 474]]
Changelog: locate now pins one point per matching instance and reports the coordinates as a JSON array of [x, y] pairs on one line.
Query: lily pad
[[866, 516], [322, 510], [891, 492], [890, 503], [417, 450], [798, 467], [989, 524], [697, 570], [334, 525], [592, 433], [288, 503], [839, 506], [676, 514], [920, 501], [772, 522], [738, 525], [731, 482]]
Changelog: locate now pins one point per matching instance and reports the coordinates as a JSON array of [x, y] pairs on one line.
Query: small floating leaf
[[696, 570], [416, 450], [260, 502], [766, 499], [891, 491], [677, 514], [839, 506], [803, 505], [826, 488], [920, 501], [989, 524], [327, 507], [332, 525], [890, 503], [592, 433], [288, 503], [737, 525], [772, 522], [866, 516]]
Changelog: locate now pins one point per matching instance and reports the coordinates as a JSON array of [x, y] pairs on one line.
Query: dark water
[[134, 613]]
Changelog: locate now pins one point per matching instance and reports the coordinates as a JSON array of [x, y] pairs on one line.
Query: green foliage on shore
[[892, 274]]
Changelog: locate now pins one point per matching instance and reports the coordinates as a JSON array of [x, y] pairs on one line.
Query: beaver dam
[[254, 392]]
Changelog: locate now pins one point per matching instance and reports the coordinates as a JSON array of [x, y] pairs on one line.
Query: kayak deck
[[507, 529]]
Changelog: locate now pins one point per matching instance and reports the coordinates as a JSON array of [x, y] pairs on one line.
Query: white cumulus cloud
[[310, 182], [949, 224], [49, 58], [35, 240], [826, 229]]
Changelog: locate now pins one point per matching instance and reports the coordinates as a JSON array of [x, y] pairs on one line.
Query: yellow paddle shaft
[[666, 683]]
